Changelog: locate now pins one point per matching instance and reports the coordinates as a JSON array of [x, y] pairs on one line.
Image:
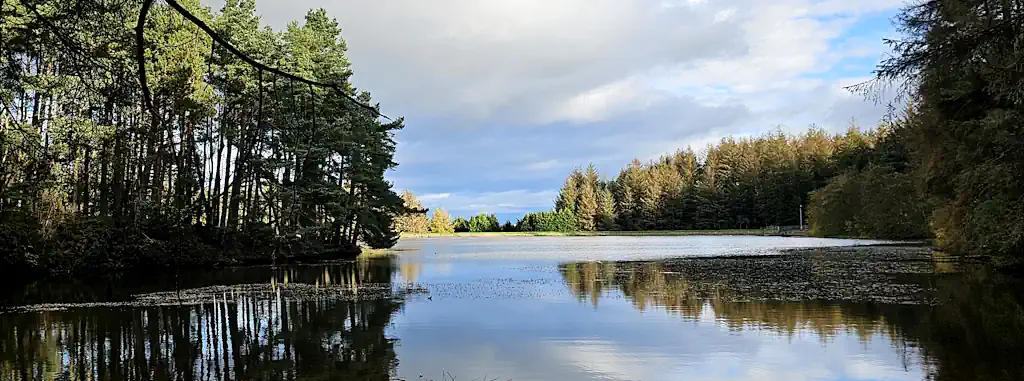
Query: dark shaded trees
[[960, 62], [460, 225], [226, 141], [876, 195]]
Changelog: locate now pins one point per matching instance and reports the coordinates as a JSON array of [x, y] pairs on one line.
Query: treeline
[[440, 222], [416, 220], [858, 183], [166, 146], [739, 183]]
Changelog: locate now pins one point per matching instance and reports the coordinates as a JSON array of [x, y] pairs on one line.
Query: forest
[[753, 183], [141, 133]]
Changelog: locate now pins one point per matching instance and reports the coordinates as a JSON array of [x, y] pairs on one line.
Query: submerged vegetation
[[193, 137]]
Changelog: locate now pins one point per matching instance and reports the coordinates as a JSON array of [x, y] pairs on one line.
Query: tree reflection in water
[[230, 336], [969, 325]]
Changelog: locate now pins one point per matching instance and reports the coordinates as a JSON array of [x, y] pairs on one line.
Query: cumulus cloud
[[511, 94]]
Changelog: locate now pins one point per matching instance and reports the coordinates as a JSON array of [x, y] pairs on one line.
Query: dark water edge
[[150, 271], [330, 321]]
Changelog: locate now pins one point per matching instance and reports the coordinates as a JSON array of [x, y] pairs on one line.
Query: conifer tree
[[568, 196], [235, 140]]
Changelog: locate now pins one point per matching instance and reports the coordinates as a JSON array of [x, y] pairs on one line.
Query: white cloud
[[434, 196], [542, 61], [510, 58], [608, 80], [602, 102], [470, 203]]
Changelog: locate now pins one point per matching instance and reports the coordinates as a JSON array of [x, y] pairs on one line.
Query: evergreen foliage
[[737, 184], [555, 221], [876, 195], [190, 155], [959, 61]]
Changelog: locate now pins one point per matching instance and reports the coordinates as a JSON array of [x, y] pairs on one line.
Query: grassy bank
[[762, 232]]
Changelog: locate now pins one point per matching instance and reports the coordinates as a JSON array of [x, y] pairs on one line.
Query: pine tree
[[606, 209], [586, 209], [569, 195]]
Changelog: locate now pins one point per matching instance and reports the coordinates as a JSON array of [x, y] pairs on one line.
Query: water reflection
[[252, 334], [887, 314], [969, 326]]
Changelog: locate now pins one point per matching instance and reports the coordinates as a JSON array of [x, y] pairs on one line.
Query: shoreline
[[630, 233]]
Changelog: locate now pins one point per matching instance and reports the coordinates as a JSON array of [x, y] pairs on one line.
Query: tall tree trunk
[[85, 181], [239, 176], [227, 183], [150, 160], [215, 195], [120, 164]]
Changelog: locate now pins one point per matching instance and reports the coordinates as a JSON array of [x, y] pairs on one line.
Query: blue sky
[[502, 98]]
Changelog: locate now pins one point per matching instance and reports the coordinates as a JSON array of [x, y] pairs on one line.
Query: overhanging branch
[[140, 56], [227, 45]]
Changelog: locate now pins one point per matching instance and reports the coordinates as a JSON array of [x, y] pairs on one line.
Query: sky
[[503, 98]]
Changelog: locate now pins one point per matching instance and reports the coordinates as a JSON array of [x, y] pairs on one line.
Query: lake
[[535, 308]]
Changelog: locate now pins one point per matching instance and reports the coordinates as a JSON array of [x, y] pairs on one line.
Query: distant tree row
[[560, 221], [416, 220], [441, 221], [739, 183], [854, 184]]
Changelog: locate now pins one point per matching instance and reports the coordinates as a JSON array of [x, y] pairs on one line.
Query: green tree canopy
[[208, 137]]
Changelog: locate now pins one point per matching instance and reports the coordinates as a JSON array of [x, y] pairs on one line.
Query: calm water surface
[[527, 308]]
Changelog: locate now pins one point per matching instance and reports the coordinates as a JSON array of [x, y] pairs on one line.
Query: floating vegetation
[[258, 292], [879, 274]]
